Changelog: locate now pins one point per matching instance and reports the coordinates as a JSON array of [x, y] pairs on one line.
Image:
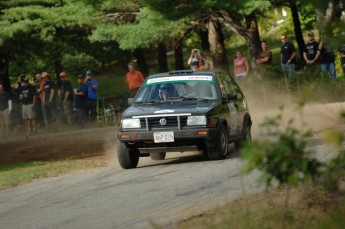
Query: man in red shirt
[[134, 79]]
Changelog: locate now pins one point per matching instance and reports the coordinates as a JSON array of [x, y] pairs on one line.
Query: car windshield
[[177, 88]]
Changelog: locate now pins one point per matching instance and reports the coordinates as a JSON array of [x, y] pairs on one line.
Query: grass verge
[[24, 172], [310, 208]]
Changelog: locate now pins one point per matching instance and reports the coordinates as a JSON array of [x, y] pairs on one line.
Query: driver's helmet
[[167, 89]]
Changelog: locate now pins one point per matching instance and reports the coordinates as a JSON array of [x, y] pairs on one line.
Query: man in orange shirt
[[134, 79]]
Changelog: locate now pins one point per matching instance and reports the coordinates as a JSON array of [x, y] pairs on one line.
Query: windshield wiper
[[148, 101], [186, 98]]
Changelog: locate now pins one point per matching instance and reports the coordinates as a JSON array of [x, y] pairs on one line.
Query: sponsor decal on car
[[179, 78]]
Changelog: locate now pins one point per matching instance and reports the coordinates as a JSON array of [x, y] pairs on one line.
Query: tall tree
[[40, 29]]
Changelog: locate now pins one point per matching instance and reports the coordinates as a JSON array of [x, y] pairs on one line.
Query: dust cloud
[[266, 98]]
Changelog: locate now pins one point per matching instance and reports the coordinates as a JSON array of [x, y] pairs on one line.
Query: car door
[[231, 114]]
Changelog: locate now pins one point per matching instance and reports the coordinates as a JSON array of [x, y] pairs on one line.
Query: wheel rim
[[223, 143]]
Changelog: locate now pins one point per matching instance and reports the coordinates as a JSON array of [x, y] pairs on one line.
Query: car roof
[[183, 73]]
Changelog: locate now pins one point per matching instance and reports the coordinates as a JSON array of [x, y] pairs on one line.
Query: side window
[[228, 86]]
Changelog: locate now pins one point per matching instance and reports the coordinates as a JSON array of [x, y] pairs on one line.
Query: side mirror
[[130, 101], [232, 96]]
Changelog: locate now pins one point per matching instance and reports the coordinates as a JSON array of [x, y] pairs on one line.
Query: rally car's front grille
[[163, 122]]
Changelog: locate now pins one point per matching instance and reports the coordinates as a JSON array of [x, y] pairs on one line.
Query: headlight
[[131, 123], [196, 120]]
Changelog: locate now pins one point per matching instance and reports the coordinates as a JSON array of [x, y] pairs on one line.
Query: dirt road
[[76, 144], [154, 193]]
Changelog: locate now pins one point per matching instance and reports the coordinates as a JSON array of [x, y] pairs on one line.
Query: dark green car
[[183, 111]]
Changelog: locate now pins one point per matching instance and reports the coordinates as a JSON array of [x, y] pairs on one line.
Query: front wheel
[[217, 149], [158, 156], [128, 157]]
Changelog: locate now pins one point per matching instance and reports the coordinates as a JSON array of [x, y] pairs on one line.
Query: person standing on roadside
[[327, 60], [28, 107], [265, 56], [241, 67], [288, 61], [342, 52], [195, 59], [311, 54], [48, 98], [92, 85], [5, 111], [134, 79], [81, 101], [66, 95], [39, 97]]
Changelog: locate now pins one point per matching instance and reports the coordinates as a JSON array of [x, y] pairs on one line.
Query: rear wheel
[[217, 148], [158, 156], [128, 157], [246, 134]]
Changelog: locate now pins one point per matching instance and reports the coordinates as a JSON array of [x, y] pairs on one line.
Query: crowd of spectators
[[41, 103], [38, 99]]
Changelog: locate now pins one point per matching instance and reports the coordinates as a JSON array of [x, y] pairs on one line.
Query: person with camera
[[92, 86], [195, 59]]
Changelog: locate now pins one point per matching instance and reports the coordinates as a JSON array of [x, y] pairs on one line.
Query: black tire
[[246, 135], [158, 156], [128, 157], [217, 149]]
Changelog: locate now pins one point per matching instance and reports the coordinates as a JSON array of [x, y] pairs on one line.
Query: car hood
[[197, 107]]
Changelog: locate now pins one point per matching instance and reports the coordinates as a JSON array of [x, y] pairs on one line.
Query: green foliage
[[282, 156], [151, 29], [334, 172]]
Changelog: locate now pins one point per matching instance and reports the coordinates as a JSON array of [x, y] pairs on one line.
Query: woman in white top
[[194, 59]]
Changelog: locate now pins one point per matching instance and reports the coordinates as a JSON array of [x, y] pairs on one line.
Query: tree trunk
[[324, 15], [4, 72], [252, 37], [217, 47], [205, 45], [297, 27], [250, 32], [179, 65], [141, 61], [162, 57]]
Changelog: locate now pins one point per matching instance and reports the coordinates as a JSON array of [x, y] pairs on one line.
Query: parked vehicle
[[183, 111]]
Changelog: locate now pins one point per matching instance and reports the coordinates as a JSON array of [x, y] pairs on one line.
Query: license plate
[[163, 137]]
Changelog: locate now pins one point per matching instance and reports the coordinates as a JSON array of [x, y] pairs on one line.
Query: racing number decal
[[233, 115]]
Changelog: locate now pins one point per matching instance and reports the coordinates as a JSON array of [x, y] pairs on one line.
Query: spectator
[[39, 98], [92, 85], [204, 66], [134, 79], [66, 98], [311, 54], [265, 56], [327, 59], [48, 98], [20, 84], [81, 101], [5, 111], [195, 59], [28, 107], [241, 67], [342, 52], [288, 60]]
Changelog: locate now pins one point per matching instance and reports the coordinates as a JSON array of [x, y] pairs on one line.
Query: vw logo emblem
[[163, 121]]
